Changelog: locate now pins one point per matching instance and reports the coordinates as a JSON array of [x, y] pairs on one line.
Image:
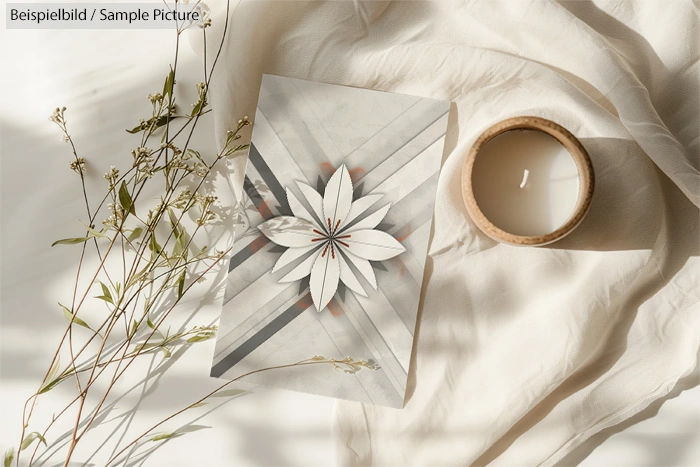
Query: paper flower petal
[[292, 254], [337, 198], [370, 221], [348, 278], [325, 274], [289, 231], [331, 238], [315, 201], [373, 245], [298, 209], [361, 205], [303, 269], [364, 268]]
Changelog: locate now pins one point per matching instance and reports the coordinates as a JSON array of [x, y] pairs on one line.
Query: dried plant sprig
[[353, 366], [156, 244], [347, 364]]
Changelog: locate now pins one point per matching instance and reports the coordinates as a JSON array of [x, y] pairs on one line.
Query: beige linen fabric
[[520, 354]]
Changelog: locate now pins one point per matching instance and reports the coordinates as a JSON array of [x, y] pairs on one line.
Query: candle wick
[[526, 175]]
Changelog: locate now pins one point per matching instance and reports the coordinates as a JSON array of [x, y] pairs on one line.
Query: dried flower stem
[[157, 270], [352, 365]]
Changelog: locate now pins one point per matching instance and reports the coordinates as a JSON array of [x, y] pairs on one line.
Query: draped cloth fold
[[520, 354]]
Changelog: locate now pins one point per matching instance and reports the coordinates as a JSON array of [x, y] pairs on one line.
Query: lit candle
[[527, 187]]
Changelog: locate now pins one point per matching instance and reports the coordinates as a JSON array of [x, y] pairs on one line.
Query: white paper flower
[[330, 238]]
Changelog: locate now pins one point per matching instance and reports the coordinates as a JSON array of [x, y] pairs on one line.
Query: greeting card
[[329, 256]]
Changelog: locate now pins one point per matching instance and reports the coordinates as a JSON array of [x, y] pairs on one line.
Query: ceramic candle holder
[[583, 167]]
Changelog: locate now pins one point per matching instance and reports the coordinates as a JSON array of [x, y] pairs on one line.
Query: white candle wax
[[525, 182]]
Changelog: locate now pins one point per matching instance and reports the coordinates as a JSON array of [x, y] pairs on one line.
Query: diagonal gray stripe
[[252, 192], [257, 243], [247, 252], [261, 336], [257, 199], [270, 180]]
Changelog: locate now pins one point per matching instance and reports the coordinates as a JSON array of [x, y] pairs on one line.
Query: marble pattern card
[[329, 254]]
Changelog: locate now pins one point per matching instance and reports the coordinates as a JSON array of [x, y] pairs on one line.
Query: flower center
[[331, 237]]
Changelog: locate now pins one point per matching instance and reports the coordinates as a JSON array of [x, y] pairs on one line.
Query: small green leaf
[[162, 121], [139, 276], [153, 245], [194, 339], [9, 457], [125, 198], [198, 108], [106, 294], [49, 381], [236, 149], [71, 317], [173, 221], [228, 393], [166, 352], [165, 436], [201, 337], [150, 323], [136, 129], [29, 439], [95, 233], [179, 246], [169, 83], [49, 386], [71, 241], [181, 284], [146, 346], [199, 404], [134, 326], [136, 233]]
